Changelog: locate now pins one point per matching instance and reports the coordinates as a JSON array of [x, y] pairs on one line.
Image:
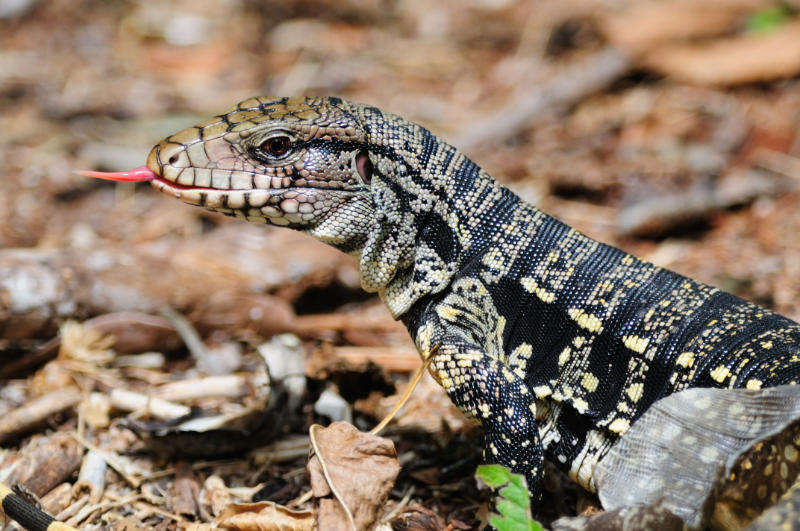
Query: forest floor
[[668, 129]]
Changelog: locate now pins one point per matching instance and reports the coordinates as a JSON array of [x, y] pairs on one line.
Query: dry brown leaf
[[732, 61], [649, 24], [361, 469], [264, 516]]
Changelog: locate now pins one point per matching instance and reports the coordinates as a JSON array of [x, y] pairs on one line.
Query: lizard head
[[295, 162], [348, 174]]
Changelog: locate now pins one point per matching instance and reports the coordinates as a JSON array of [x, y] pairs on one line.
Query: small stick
[[111, 460], [407, 393], [91, 478], [133, 401], [36, 411], [227, 386], [193, 341]]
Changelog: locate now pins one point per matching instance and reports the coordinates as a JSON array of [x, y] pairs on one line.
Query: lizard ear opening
[[364, 166]]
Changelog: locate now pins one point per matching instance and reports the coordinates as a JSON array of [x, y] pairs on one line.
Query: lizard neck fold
[[434, 211]]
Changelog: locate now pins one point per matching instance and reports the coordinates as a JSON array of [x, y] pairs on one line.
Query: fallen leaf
[[732, 61], [264, 516], [351, 468]]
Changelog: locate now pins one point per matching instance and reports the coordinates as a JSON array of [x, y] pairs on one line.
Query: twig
[[407, 393], [778, 162], [133, 401], [111, 460], [91, 478], [579, 79], [193, 341], [402, 503], [36, 411]]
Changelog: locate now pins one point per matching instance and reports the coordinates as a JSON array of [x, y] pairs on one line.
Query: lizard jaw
[[276, 206]]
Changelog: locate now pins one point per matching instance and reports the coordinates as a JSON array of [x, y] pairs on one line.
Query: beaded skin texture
[[553, 342]]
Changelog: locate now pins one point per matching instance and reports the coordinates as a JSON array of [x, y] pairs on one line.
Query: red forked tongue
[[141, 173]]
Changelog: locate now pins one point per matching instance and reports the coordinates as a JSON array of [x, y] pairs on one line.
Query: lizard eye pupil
[[276, 146]]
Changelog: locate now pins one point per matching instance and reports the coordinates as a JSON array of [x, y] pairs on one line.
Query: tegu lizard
[[553, 342]]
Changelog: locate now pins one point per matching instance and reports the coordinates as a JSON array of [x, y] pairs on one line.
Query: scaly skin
[[553, 342]]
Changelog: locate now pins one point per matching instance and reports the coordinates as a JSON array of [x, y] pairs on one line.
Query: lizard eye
[[276, 146]]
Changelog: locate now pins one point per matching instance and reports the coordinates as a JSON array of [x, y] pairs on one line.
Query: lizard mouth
[[278, 206]]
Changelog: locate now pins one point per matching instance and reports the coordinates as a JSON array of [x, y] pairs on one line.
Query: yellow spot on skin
[[564, 356], [619, 426], [720, 373], [790, 452], [589, 381], [533, 287], [685, 359], [627, 259], [448, 313], [542, 391], [752, 383], [766, 344], [635, 391], [580, 405], [585, 320], [649, 314], [579, 341], [636, 343]]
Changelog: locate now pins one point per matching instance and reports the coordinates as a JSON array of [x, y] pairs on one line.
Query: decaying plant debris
[[161, 366]]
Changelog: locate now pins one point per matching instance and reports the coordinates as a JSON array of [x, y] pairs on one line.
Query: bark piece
[[45, 462], [185, 491]]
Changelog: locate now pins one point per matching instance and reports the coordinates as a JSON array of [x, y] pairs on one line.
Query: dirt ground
[[666, 128]]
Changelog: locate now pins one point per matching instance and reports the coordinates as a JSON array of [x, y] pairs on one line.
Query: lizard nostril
[[173, 159]]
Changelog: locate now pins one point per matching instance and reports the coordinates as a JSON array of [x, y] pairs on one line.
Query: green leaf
[[513, 499], [516, 494], [769, 19], [513, 511], [493, 475]]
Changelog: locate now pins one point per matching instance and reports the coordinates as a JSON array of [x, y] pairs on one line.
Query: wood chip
[[36, 411]]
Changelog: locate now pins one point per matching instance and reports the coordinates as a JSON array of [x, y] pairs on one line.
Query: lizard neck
[[436, 210]]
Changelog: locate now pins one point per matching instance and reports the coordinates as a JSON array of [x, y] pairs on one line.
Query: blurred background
[[666, 127]]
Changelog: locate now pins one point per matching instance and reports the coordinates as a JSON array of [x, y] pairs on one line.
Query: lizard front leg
[[470, 363], [485, 390], [463, 331]]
